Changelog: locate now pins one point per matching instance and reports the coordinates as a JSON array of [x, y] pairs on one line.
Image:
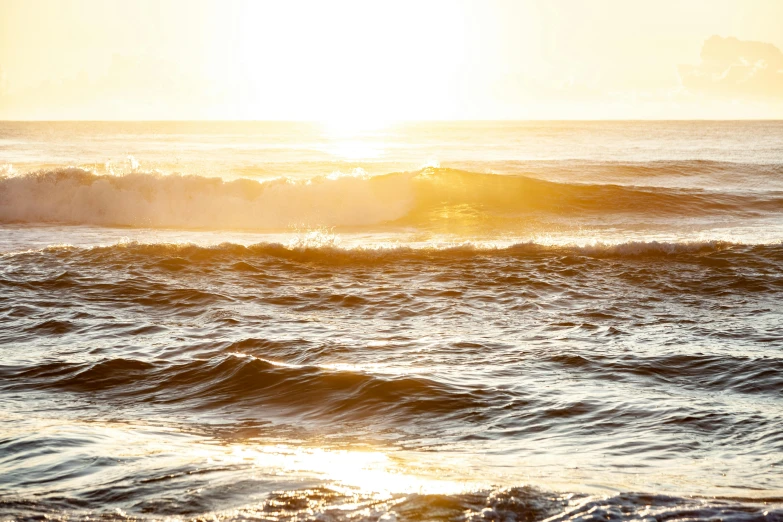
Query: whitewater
[[442, 321]]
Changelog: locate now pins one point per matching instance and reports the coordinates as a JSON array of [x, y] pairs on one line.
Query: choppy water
[[516, 321]]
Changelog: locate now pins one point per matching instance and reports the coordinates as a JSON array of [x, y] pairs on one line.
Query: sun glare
[[367, 471], [355, 138]]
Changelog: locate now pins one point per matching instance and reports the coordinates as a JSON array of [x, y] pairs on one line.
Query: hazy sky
[[373, 60]]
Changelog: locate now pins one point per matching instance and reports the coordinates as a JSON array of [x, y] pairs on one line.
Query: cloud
[[736, 69]]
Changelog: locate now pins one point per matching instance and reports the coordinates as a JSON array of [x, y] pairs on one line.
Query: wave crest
[[175, 256]]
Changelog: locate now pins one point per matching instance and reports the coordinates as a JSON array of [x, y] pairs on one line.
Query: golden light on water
[[353, 139], [367, 471], [354, 150]]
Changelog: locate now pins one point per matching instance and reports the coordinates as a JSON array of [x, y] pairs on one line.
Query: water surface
[[466, 321]]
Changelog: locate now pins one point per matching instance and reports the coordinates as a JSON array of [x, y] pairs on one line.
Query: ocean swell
[[236, 381]]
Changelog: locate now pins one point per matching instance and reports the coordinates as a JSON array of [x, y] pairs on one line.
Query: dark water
[[560, 338]]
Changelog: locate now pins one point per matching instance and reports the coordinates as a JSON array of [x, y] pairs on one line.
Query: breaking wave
[[143, 199]]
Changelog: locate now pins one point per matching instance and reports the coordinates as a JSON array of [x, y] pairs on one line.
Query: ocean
[[470, 321]]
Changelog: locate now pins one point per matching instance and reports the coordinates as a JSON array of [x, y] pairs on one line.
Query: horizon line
[[392, 122]]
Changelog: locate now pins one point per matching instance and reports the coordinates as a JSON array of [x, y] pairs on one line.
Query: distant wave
[[428, 197], [733, 173]]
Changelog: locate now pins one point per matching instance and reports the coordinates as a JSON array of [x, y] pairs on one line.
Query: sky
[[365, 61]]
